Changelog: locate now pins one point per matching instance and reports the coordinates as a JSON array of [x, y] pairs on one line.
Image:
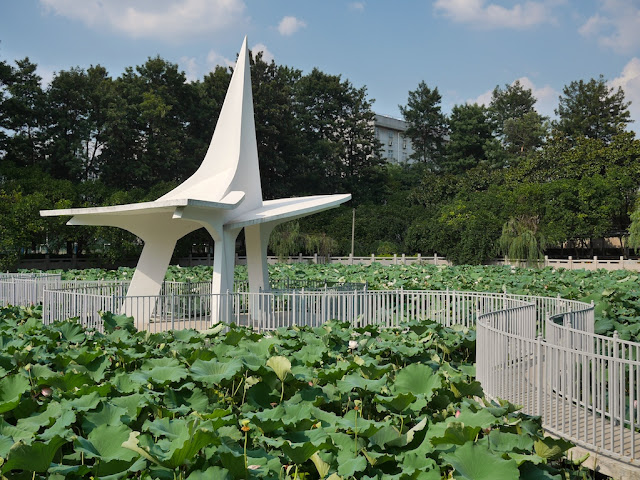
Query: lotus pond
[[299, 403]]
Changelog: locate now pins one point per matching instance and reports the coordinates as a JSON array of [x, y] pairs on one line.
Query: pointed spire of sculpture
[[232, 157]]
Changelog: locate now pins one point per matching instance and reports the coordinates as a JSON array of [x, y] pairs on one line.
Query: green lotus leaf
[[418, 379], [43, 419], [213, 372], [120, 323], [386, 434], [218, 473], [467, 389], [355, 381], [183, 451], [482, 418], [456, 434], [106, 414], [105, 443], [11, 390], [41, 374], [348, 468], [521, 458], [299, 452], [83, 403], [71, 332], [281, 365], [396, 403], [132, 404], [413, 461], [17, 433], [164, 370], [60, 428], [477, 462], [69, 381], [95, 369], [5, 445], [508, 442], [551, 448], [408, 437], [187, 336], [36, 457], [186, 400]]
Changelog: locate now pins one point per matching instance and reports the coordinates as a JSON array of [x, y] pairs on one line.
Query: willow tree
[[521, 240]]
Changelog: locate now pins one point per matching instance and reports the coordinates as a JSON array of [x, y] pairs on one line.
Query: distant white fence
[[568, 263], [26, 289], [538, 352]]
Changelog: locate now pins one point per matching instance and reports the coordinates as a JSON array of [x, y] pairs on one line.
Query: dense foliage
[[615, 293], [90, 139], [330, 402]]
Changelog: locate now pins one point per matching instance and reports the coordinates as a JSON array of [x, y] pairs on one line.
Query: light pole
[[353, 231]]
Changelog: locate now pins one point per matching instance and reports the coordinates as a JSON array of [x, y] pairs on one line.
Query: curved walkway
[[537, 352]]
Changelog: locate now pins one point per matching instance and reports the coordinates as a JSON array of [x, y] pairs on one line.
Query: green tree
[[340, 151], [521, 240], [515, 122], [427, 124], [279, 138], [22, 114], [514, 101], [78, 103], [469, 133], [147, 127], [592, 109]]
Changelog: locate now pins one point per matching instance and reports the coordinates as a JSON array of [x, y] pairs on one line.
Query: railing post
[[447, 308], [540, 377], [173, 308], [614, 392]]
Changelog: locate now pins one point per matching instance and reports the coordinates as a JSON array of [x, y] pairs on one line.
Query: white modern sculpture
[[224, 196]]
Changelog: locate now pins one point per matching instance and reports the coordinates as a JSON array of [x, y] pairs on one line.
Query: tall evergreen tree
[[470, 131], [592, 109], [427, 124], [515, 121], [23, 114]]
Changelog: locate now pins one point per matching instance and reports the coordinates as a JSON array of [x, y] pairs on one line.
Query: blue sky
[[464, 47]]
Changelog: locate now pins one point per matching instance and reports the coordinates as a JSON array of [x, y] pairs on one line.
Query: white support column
[[257, 240], [152, 266], [223, 269]]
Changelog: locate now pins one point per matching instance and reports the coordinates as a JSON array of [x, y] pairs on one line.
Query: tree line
[[482, 181]]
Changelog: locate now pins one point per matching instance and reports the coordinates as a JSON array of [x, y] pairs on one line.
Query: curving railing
[[538, 352]]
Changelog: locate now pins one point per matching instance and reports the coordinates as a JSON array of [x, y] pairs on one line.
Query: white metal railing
[[26, 289]]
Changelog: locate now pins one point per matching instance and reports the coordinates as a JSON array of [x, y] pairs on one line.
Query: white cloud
[[616, 25], [290, 25], [546, 96], [164, 19], [357, 6], [629, 80], [267, 56], [478, 14], [214, 59], [190, 67]]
